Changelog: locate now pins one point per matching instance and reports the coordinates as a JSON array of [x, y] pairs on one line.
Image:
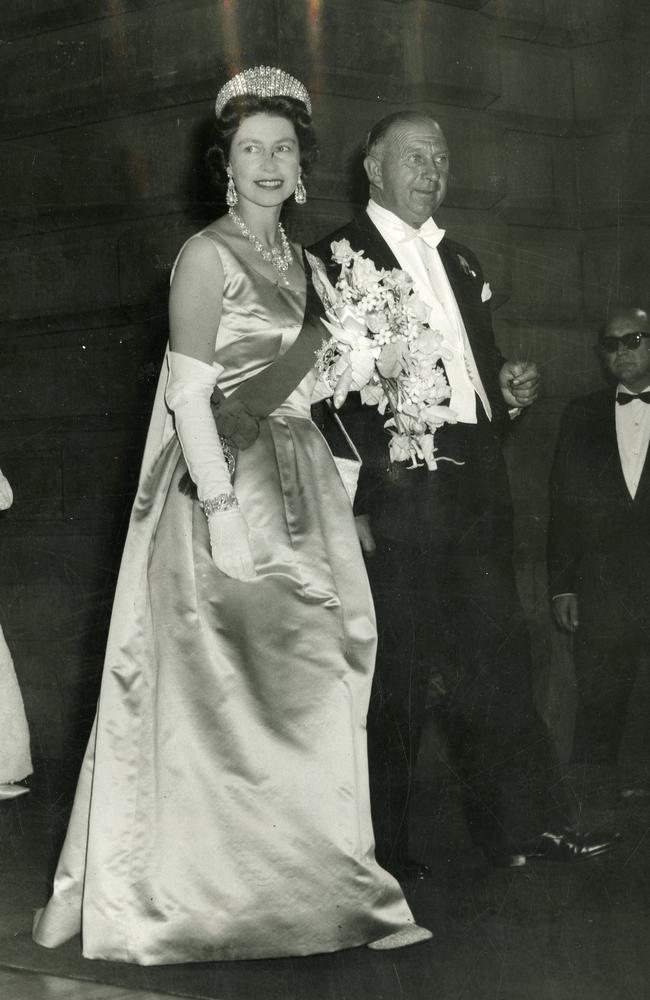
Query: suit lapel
[[368, 238], [643, 489], [463, 287], [607, 430], [457, 277]]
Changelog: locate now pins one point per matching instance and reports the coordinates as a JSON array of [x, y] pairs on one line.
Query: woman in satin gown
[[222, 811], [15, 759]]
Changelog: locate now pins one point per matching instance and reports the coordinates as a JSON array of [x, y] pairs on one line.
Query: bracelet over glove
[[189, 388]]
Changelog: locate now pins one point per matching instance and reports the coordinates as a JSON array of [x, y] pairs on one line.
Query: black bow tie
[[625, 397]]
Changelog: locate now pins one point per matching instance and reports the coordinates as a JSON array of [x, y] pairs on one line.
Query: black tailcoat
[[446, 599]]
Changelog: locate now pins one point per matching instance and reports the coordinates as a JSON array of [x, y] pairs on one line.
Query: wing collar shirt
[[417, 254], [632, 436]]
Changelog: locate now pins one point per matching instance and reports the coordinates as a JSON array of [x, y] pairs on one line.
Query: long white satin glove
[[189, 388], [230, 544], [6, 493]]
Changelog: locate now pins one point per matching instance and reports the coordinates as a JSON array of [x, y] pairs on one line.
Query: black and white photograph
[[325, 500]]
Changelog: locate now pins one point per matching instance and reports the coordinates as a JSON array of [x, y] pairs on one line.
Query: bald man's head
[[407, 164]]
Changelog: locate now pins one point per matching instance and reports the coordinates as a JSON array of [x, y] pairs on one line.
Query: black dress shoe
[[567, 845], [408, 869]]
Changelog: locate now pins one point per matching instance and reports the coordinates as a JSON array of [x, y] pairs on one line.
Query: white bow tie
[[429, 233]]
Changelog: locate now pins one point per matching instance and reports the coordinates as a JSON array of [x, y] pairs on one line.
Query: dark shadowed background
[[107, 110]]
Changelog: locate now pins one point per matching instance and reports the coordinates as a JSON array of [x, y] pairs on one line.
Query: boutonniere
[[486, 292], [465, 266]]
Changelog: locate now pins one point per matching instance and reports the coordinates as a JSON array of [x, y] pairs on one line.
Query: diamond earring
[[300, 194], [231, 190]]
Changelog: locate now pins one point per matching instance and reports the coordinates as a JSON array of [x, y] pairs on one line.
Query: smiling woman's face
[[265, 159]]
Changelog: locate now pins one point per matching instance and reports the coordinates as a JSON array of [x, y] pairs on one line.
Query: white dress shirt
[[417, 254], [632, 436]]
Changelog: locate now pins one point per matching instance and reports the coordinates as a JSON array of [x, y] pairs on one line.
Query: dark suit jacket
[[599, 537], [364, 423]]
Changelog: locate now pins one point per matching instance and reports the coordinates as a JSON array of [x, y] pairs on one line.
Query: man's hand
[[519, 382], [365, 535], [565, 612]]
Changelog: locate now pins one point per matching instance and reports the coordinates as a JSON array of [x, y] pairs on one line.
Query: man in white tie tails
[[599, 537], [439, 543]]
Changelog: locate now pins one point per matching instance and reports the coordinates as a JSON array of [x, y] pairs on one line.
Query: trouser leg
[[505, 757], [397, 702], [605, 676]]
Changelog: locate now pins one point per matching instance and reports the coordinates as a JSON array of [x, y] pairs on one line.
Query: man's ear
[[372, 167]]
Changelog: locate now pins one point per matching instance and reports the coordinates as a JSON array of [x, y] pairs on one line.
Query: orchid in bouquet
[[382, 346]]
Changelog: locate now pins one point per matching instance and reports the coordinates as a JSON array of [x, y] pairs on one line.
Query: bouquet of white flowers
[[382, 346]]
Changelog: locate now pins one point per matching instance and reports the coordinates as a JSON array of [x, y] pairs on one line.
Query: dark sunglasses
[[629, 340]]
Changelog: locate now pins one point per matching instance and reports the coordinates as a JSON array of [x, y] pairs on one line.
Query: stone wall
[[107, 110]]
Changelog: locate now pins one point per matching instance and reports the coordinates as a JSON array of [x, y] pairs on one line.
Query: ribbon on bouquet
[[237, 417]]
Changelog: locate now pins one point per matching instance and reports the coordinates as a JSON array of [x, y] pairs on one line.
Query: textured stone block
[[123, 169], [636, 206], [134, 62], [541, 20], [50, 433], [601, 164], [541, 185], [488, 239], [610, 84], [54, 561], [477, 173], [342, 124], [146, 255], [60, 721], [536, 86], [80, 373], [546, 275], [605, 21], [469, 4], [449, 57], [36, 483], [613, 178], [51, 665], [344, 48], [616, 264], [593, 20], [69, 276], [565, 356], [67, 614], [18, 18], [96, 477]]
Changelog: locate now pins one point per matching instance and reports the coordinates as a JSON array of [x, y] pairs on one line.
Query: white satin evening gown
[[223, 809]]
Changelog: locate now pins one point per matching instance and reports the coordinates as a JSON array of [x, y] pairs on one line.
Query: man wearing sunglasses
[[599, 536]]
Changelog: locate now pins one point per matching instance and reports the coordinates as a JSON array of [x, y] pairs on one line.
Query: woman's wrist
[[219, 503]]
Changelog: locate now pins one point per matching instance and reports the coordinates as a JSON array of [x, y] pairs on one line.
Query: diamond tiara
[[262, 81]]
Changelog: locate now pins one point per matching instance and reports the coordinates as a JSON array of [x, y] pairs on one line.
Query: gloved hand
[[230, 544], [188, 394]]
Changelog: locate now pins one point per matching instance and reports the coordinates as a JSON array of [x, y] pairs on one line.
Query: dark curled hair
[[239, 108]]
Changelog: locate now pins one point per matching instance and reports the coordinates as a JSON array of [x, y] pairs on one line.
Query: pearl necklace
[[278, 258]]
